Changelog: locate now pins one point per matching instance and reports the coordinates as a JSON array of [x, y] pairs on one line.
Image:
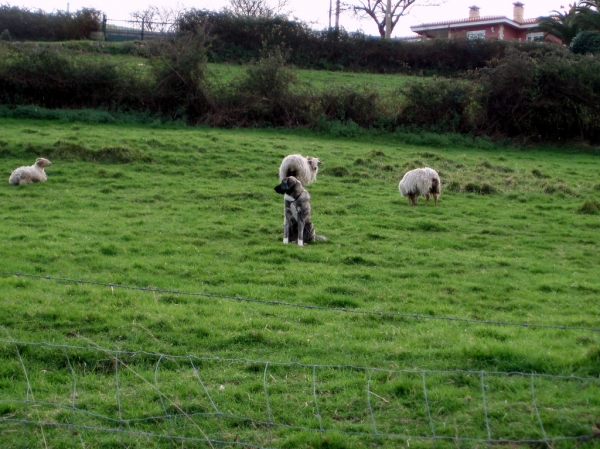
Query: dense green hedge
[[240, 39], [23, 24]]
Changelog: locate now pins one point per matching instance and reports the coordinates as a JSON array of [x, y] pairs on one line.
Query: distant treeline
[[242, 39], [545, 94], [238, 39], [24, 24]]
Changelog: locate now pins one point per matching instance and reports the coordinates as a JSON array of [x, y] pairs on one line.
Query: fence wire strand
[[537, 411], [307, 306], [429, 410]]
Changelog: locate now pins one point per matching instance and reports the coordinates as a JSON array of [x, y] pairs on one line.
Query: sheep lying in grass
[[420, 182], [31, 174], [304, 169]]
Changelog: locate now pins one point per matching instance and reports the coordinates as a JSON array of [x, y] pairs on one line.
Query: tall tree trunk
[[388, 19]]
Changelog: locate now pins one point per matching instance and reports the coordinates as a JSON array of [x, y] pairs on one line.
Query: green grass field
[[322, 80], [376, 361]]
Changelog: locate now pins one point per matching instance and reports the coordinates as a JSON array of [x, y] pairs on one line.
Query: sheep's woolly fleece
[[304, 169], [30, 174], [420, 182]]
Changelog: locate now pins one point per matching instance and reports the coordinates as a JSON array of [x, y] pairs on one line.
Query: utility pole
[[337, 15], [388, 20]]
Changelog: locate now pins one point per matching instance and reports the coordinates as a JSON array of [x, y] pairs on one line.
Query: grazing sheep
[[31, 174], [421, 182], [302, 168]]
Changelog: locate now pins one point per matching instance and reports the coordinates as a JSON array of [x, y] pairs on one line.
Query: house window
[[535, 37], [474, 35]]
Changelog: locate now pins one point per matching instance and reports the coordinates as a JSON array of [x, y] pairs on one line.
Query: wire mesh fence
[[69, 396], [130, 30], [58, 395]]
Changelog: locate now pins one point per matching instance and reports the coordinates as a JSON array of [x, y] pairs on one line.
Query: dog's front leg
[[300, 230], [286, 222]]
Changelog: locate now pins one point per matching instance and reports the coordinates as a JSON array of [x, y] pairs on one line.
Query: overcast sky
[[314, 12]]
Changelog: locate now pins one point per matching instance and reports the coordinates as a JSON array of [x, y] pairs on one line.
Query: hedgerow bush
[[442, 106], [25, 24], [543, 96], [551, 95], [180, 80], [43, 76]]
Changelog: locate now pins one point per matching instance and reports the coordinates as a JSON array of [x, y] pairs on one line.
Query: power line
[[309, 306]]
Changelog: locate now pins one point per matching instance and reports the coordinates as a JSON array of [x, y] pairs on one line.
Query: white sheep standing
[[421, 182], [304, 169], [30, 174]]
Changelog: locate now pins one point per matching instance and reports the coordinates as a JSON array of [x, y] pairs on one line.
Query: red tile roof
[[480, 19]]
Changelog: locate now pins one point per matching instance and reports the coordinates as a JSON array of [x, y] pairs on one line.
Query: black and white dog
[[296, 219]]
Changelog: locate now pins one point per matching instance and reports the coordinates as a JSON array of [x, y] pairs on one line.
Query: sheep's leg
[[427, 199], [435, 198]]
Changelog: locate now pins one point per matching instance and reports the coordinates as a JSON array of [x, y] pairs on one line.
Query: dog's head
[[314, 162], [288, 186], [41, 162]]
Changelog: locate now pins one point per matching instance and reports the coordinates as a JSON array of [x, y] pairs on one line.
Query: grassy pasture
[[514, 239], [323, 80]]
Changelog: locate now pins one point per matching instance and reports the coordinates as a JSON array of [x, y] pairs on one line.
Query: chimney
[[473, 12], [518, 12]]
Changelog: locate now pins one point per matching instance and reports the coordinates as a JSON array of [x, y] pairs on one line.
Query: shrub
[[586, 41], [549, 96], [179, 69], [441, 106], [24, 24], [43, 76], [268, 78]]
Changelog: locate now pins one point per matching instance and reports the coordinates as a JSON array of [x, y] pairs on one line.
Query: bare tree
[[338, 10], [158, 19], [378, 11], [259, 8]]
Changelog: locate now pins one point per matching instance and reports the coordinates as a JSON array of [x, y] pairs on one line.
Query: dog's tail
[[320, 238]]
